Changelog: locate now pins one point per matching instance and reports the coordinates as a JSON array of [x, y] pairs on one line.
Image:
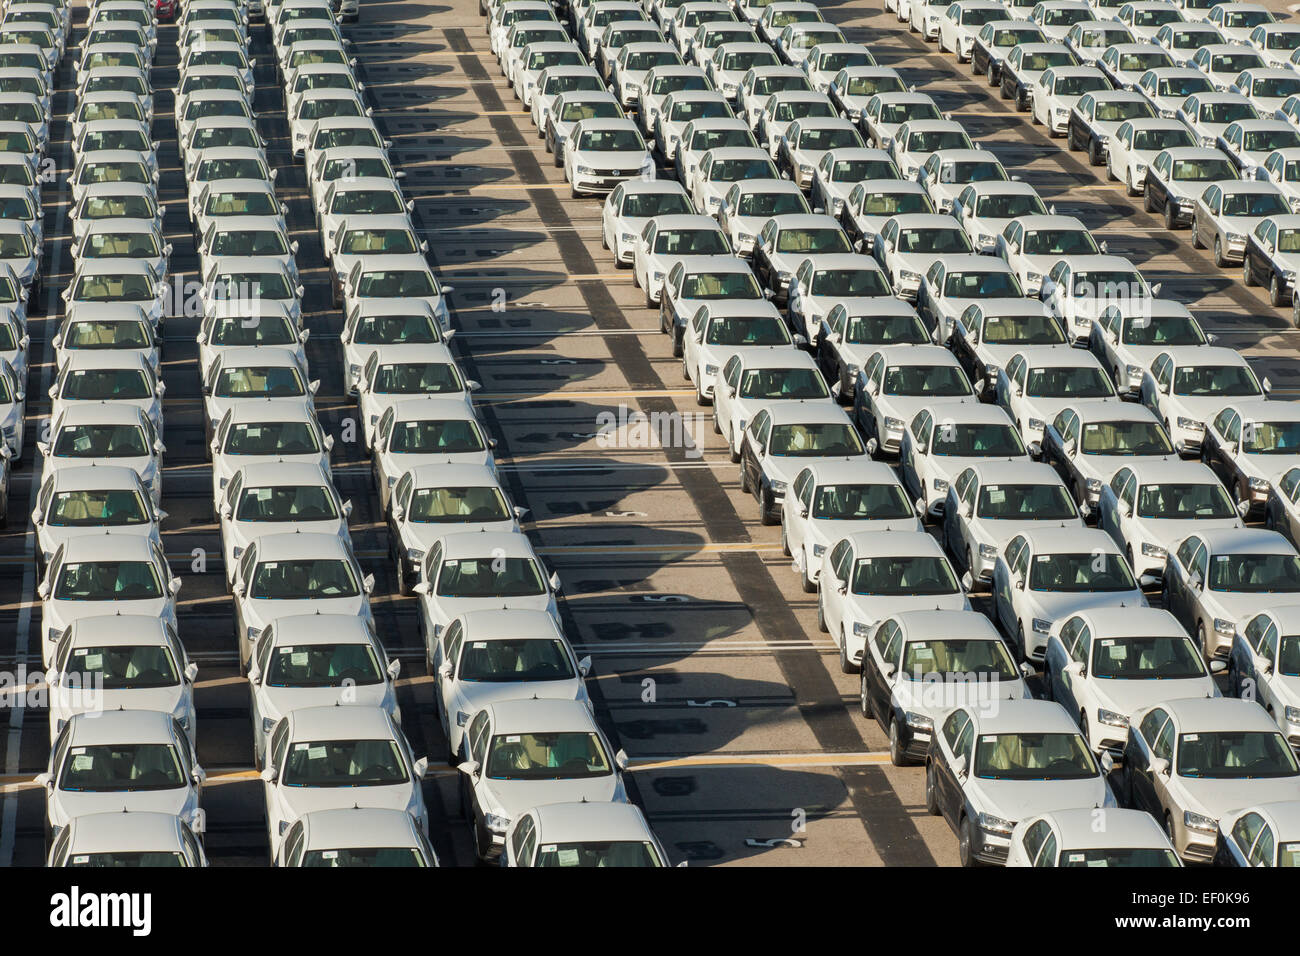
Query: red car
[[166, 10]]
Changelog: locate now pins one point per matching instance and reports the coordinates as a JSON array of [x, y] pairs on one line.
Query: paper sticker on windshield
[[451, 563], [1043, 558], [548, 848], [512, 739], [298, 659], [567, 857], [1077, 857], [479, 645], [271, 565], [316, 753], [989, 739], [923, 653], [1191, 738], [997, 497], [329, 855], [83, 762], [1221, 558], [1091, 428], [78, 750], [80, 652], [263, 494], [993, 320], [94, 661], [302, 746], [80, 860]]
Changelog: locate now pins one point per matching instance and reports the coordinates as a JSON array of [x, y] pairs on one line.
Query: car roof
[[1287, 617], [291, 545], [121, 727], [1219, 714], [911, 354], [591, 822], [94, 359], [1078, 828], [1113, 412], [686, 221], [1069, 539], [776, 358], [114, 630], [477, 544], [1131, 622], [93, 477], [1207, 355], [960, 412], [1015, 472], [540, 716], [410, 353], [926, 220], [356, 827], [260, 356], [843, 260], [1053, 356], [104, 413], [1153, 470], [1022, 716], [799, 411], [445, 475], [246, 411], [1252, 540], [354, 722], [937, 624], [293, 629], [500, 623], [894, 544], [271, 474], [432, 408], [973, 262], [836, 471], [108, 547], [693, 264], [1263, 409], [122, 831]]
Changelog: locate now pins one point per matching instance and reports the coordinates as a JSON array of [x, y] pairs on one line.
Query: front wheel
[[897, 752], [1276, 294], [864, 697], [931, 791]]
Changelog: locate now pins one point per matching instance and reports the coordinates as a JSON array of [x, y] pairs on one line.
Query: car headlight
[[584, 170], [778, 487], [1295, 205], [268, 725], [715, 202], [1167, 114], [745, 237], [1040, 626], [1111, 718], [785, 277], [631, 89], [819, 550], [988, 551], [991, 824], [729, 89], [496, 822], [1034, 278], [893, 424], [987, 242], [1191, 424], [918, 721], [1207, 141], [1140, 169], [1224, 626], [1035, 425], [253, 634], [1133, 372], [1236, 239], [462, 718], [1200, 822], [862, 629], [627, 237], [805, 170], [1154, 551], [1289, 276], [710, 369], [1259, 484], [1093, 485], [906, 276], [1060, 112], [414, 555], [941, 486], [886, 142]]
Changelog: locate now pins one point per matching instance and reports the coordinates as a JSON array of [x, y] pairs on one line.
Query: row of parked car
[[832, 235]]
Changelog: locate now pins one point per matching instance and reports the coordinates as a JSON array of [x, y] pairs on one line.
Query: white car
[[631, 206], [1128, 338], [1057, 90], [1135, 144], [324, 758], [375, 322], [886, 113], [946, 172], [1167, 88], [634, 63], [107, 201], [277, 497], [556, 80], [1024, 64], [954, 283], [266, 323], [1261, 666], [783, 108], [1209, 114], [662, 82], [121, 662], [1237, 21], [108, 375], [1087, 444], [839, 170], [987, 334], [750, 203], [1276, 42], [583, 834], [117, 839], [522, 753], [1149, 507], [1078, 289], [249, 434], [121, 760], [1046, 574], [419, 431], [1129, 838], [703, 136], [1224, 62], [821, 282], [356, 837], [754, 378], [916, 139], [852, 88], [944, 439], [1250, 443], [1191, 762], [76, 502], [922, 663], [1249, 142], [317, 660], [1186, 387], [398, 277], [830, 499], [601, 154], [90, 574], [1144, 18], [896, 384], [871, 203], [1106, 663], [908, 244], [1039, 381], [721, 166], [398, 373], [1268, 89], [1126, 63], [986, 209], [1089, 39], [268, 375], [665, 241], [827, 60], [990, 502], [106, 434], [241, 286]]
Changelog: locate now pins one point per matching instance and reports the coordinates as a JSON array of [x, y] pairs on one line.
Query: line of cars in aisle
[[812, 178]]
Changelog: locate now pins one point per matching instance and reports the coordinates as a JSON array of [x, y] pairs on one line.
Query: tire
[[1200, 640], [765, 506], [970, 566], [1219, 259], [650, 303], [964, 836], [700, 398], [931, 791], [1147, 202], [403, 584], [785, 543], [1128, 184], [1196, 237], [1171, 217], [805, 581], [993, 81], [731, 452], [1276, 295], [1022, 649], [744, 481], [1247, 277], [897, 753], [846, 665], [1094, 154], [864, 698], [821, 617]]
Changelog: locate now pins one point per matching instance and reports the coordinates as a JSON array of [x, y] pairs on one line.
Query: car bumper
[[598, 183], [989, 847]]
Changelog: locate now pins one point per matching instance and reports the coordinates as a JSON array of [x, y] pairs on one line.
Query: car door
[[1003, 575], [1072, 683], [278, 754], [882, 650], [950, 784], [1176, 582], [1057, 657], [753, 447], [842, 564], [450, 701], [1137, 761]]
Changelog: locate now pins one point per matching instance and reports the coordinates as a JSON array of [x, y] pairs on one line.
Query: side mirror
[[469, 767], [1070, 447], [621, 760], [584, 666], [959, 765], [368, 583], [268, 775], [394, 668], [445, 669], [1194, 581], [1076, 669], [1159, 765], [421, 766], [1018, 583], [174, 585], [1107, 763], [555, 581], [421, 588]]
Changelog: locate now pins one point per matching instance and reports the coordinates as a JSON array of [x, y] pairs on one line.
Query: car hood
[[1169, 532], [936, 698], [285, 699], [264, 610], [173, 802], [478, 695], [1048, 408], [611, 159], [1217, 797], [1105, 466], [1269, 466], [308, 799], [1238, 605], [1199, 407], [1016, 800], [1130, 696], [163, 699], [450, 608], [876, 608], [1002, 530], [828, 530], [1054, 605], [516, 796]]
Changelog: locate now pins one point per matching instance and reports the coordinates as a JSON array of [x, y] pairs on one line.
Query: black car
[[1259, 265]]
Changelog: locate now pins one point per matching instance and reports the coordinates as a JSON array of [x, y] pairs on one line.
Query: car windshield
[[956, 658], [1069, 382], [122, 667], [248, 242], [741, 62], [829, 439], [648, 205], [101, 441], [1184, 502], [221, 136], [384, 284], [130, 139], [108, 581], [1125, 438], [515, 660], [287, 503], [1059, 242], [230, 169], [858, 170], [622, 853], [588, 109], [92, 334], [1032, 329], [831, 138], [771, 204], [1277, 40], [1275, 87], [396, 330], [1038, 62], [1014, 36], [118, 207], [127, 859], [259, 203], [1256, 205], [1028, 756], [1078, 85], [1218, 380], [974, 171], [97, 509], [850, 282], [331, 106], [495, 577], [366, 856], [912, 576], [1009, 206], [344, 763], [871, 85], [323, 665], [265, 381], [691, 242], [265, 330], [1183, 86], [1169, 330], [707, 139], [204, 108], [304, 579], [977, 441], [1234, 62], [982, 285], [1228, 112], [611, 141], [366, 202], [747, 330], [100, 385], [360, 167], [1108, 285], [120, 245], [1026, 503], [1271, 438], [417, 378], [894, 114], [347, 136], [16, 174], [1255, 573], [886, 330], [699, 109], [720, 285], [1235, 755], [930, 141], [1146, 658], [454, 436], [783, 383], [1118, 112], [780, 84], [733, 170], [896, 204], [933, 241], [14, 245], [547, 756], [459, 504], [1119, 857], [116, 768], [861, 502], [272, 438], [1075, 572], [937, 380]]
